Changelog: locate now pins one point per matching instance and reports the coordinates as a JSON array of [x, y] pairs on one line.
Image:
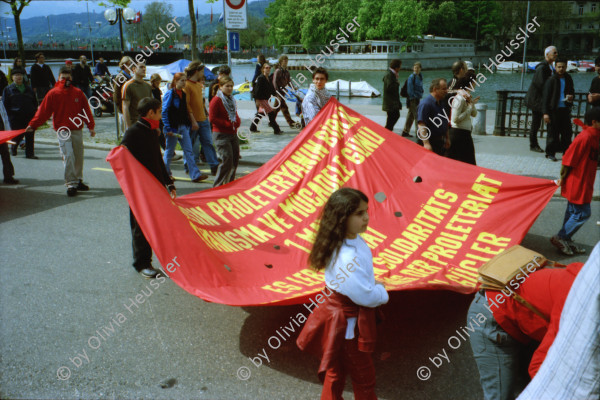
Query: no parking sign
[[236, 14]]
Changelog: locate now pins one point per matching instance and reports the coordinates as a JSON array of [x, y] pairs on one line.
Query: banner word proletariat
[[296, 205]]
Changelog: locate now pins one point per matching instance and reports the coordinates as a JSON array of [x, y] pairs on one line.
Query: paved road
[[67, 285]]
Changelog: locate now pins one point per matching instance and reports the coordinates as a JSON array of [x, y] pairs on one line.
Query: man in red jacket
[[501, 326], [69, 110]]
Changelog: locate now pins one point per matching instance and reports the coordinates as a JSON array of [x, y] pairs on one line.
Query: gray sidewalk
[[507, 154]]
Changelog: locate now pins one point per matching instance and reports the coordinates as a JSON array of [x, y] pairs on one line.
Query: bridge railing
[[514, 118]]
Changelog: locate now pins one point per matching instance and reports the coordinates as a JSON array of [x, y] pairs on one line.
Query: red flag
[[433, 221], [5, 136]]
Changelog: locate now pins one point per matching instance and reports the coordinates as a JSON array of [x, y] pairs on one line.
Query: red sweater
[[68, 108], [217, 114], [547, 290], [324, 332]]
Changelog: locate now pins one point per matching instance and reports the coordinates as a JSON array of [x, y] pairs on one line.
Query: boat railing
[[514, 118]]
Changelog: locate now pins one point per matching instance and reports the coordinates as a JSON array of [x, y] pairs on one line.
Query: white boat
[[572, 66], [241, 61], [359, 89], [509, 66]]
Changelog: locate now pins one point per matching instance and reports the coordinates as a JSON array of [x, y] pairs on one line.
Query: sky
[[49, 7]]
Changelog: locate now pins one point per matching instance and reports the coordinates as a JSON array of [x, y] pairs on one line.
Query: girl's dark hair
[[261, 59], [15, 62], [333, 227]]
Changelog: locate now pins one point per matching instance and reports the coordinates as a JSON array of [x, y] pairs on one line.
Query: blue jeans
[[575, 217], [203, 137], [186, 145], [497, 354]]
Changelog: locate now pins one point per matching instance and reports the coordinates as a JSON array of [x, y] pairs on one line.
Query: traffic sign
[[234, 41], [236, 14]]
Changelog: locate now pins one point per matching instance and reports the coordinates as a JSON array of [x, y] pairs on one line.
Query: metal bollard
[[479, 120]]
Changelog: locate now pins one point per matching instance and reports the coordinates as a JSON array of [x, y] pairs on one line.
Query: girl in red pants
[[341, 329]]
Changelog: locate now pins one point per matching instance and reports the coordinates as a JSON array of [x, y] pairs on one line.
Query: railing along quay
[[513, 116]]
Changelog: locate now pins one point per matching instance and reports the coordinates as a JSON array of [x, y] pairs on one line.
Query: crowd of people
[[443, 126]]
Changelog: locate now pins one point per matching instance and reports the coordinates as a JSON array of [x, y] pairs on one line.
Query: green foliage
[[369, 15], [283, 20], [468, 19], [317, 22], [403, 20]]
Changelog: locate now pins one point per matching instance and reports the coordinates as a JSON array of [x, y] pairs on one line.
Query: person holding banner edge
[[142, 141]]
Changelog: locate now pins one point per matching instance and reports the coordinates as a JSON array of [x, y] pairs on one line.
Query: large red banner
[[5, 136], [433, 221]]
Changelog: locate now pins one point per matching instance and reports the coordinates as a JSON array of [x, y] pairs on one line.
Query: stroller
[[102, 100]]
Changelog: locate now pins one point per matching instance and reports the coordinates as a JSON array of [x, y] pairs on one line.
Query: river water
[[487, 90]]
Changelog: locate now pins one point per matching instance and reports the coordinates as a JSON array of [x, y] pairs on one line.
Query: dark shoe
[[213, 170], [536, 149], [82, 187], [254, 130], [13, 151], [72, 191], [201, 178], [11, 181], [202, 157], [561, 245], [33, 157], [278, 132], [149, 273], [406, 134], [551, 158], [22, 145], [575, 248], [177, 157]]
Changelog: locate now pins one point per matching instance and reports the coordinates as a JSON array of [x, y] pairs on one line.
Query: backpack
[[404, 90], [501, 270]]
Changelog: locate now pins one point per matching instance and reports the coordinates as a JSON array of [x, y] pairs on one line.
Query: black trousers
[[142, 252], [272, 123], [437, 144], [536, 122], [7, 167], [461, 146], [392, 118], [29, 140], [560, 131]]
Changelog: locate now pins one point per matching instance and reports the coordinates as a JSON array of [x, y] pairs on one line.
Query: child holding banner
[[352, 297]]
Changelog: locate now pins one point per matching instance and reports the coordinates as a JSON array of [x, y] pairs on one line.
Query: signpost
[[236, 17]]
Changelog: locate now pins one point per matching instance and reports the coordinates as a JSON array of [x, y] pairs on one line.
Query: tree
[[284, 18], [155, 15], [16, 7], [403, 20], [255, 35], [194, 32]]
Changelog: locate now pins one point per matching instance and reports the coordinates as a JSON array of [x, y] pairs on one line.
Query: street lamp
[[114, 15], [78, 24]]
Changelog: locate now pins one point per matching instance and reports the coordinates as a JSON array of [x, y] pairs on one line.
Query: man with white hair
[[533, 99]]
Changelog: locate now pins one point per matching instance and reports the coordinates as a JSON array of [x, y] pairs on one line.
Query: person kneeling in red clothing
[[504, 322]]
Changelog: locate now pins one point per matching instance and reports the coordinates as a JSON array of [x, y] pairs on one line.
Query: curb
[[109, 147]]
